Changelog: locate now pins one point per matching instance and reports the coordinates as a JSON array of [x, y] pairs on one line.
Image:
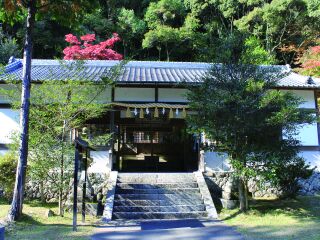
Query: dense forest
[[175, 30]]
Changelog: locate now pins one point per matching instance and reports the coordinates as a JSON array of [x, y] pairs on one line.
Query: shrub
[[8, 165]]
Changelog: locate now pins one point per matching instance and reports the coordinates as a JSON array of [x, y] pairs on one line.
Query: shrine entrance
[[155, 145]]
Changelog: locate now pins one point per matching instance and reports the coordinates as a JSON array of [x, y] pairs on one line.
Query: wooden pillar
[[75, 187], [317, 113], [111, 151]]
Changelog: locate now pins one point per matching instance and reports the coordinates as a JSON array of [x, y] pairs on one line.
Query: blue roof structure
[[135, 72]]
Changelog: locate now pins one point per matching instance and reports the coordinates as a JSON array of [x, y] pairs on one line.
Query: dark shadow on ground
[[168, 224], [172, 229]]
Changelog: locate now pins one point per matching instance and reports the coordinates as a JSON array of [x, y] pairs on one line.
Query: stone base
[[91, 208], [229, 204]]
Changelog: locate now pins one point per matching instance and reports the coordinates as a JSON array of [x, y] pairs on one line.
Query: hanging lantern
[[135, 111], [141, 113], [128, 113], [177, 111], [171, 113], [147, 111], [163, 111], [184, 113], [156, 112]]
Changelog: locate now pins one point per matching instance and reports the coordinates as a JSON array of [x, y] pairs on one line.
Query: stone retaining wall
[[51, 194], [311, 185], [224, 185]]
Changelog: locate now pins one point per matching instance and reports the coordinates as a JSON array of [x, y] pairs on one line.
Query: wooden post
[[111, 152], [84, 189], [75, 187], [2, 229]]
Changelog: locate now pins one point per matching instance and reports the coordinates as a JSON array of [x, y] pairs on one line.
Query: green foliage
[[240, 48], [255, 125], [281, 23], [8, 47], [56, 109], [131, 30], [254, 53], [284, 28], [8, 166]]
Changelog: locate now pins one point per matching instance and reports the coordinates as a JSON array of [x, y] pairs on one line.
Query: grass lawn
[[267, 219], [278, 219], [34, 225]]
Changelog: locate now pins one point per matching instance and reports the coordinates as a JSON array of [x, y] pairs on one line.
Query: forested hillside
[[179, 30]]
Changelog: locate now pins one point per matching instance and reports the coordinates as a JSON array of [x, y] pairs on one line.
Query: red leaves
[[311, 61], [70, 38], [88, 50], [315, 50], [88, 38], [310, 64]]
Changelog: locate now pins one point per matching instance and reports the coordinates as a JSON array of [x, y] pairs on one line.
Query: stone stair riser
[[167, 215], [169, 202], [157, 196], [157, 191], [154, 209], [156, 186], [187, 197]]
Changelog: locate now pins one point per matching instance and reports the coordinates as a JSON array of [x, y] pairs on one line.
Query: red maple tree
[[311, 62], [86, 49]]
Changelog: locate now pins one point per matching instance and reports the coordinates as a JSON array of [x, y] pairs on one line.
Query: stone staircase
[[157, 196]]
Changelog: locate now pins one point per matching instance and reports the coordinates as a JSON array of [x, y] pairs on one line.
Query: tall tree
[[244, 116], [70, 10]]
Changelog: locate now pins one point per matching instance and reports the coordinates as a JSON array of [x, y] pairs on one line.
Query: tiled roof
[[138, 72]]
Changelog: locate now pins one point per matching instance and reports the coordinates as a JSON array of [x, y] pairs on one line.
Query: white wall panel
[[312, 158], [308, 135], [9, 122], [101, 162], [3, 151], [306, 95], [134, 94], [104, 97], [216, 161], [172, 95]]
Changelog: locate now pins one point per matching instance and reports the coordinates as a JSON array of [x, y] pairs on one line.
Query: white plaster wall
[[216, 161], [312, 158], [219, 162], [134, 94], [101, 162], [9, 122], [172, 95], [3, 151], [306, 95], [105, 96], [308, 135]]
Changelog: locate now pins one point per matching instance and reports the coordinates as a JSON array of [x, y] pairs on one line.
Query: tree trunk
[[62, 169], [43, 200], [243, 194], [15, 210], [167, 51]]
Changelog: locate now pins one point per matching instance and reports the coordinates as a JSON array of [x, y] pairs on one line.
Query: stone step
[[156, 186], [167, 202], [177, 196], [158, 191], [155, 175], [153, 178], [155, 181], [158, 215], [178, 208]]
